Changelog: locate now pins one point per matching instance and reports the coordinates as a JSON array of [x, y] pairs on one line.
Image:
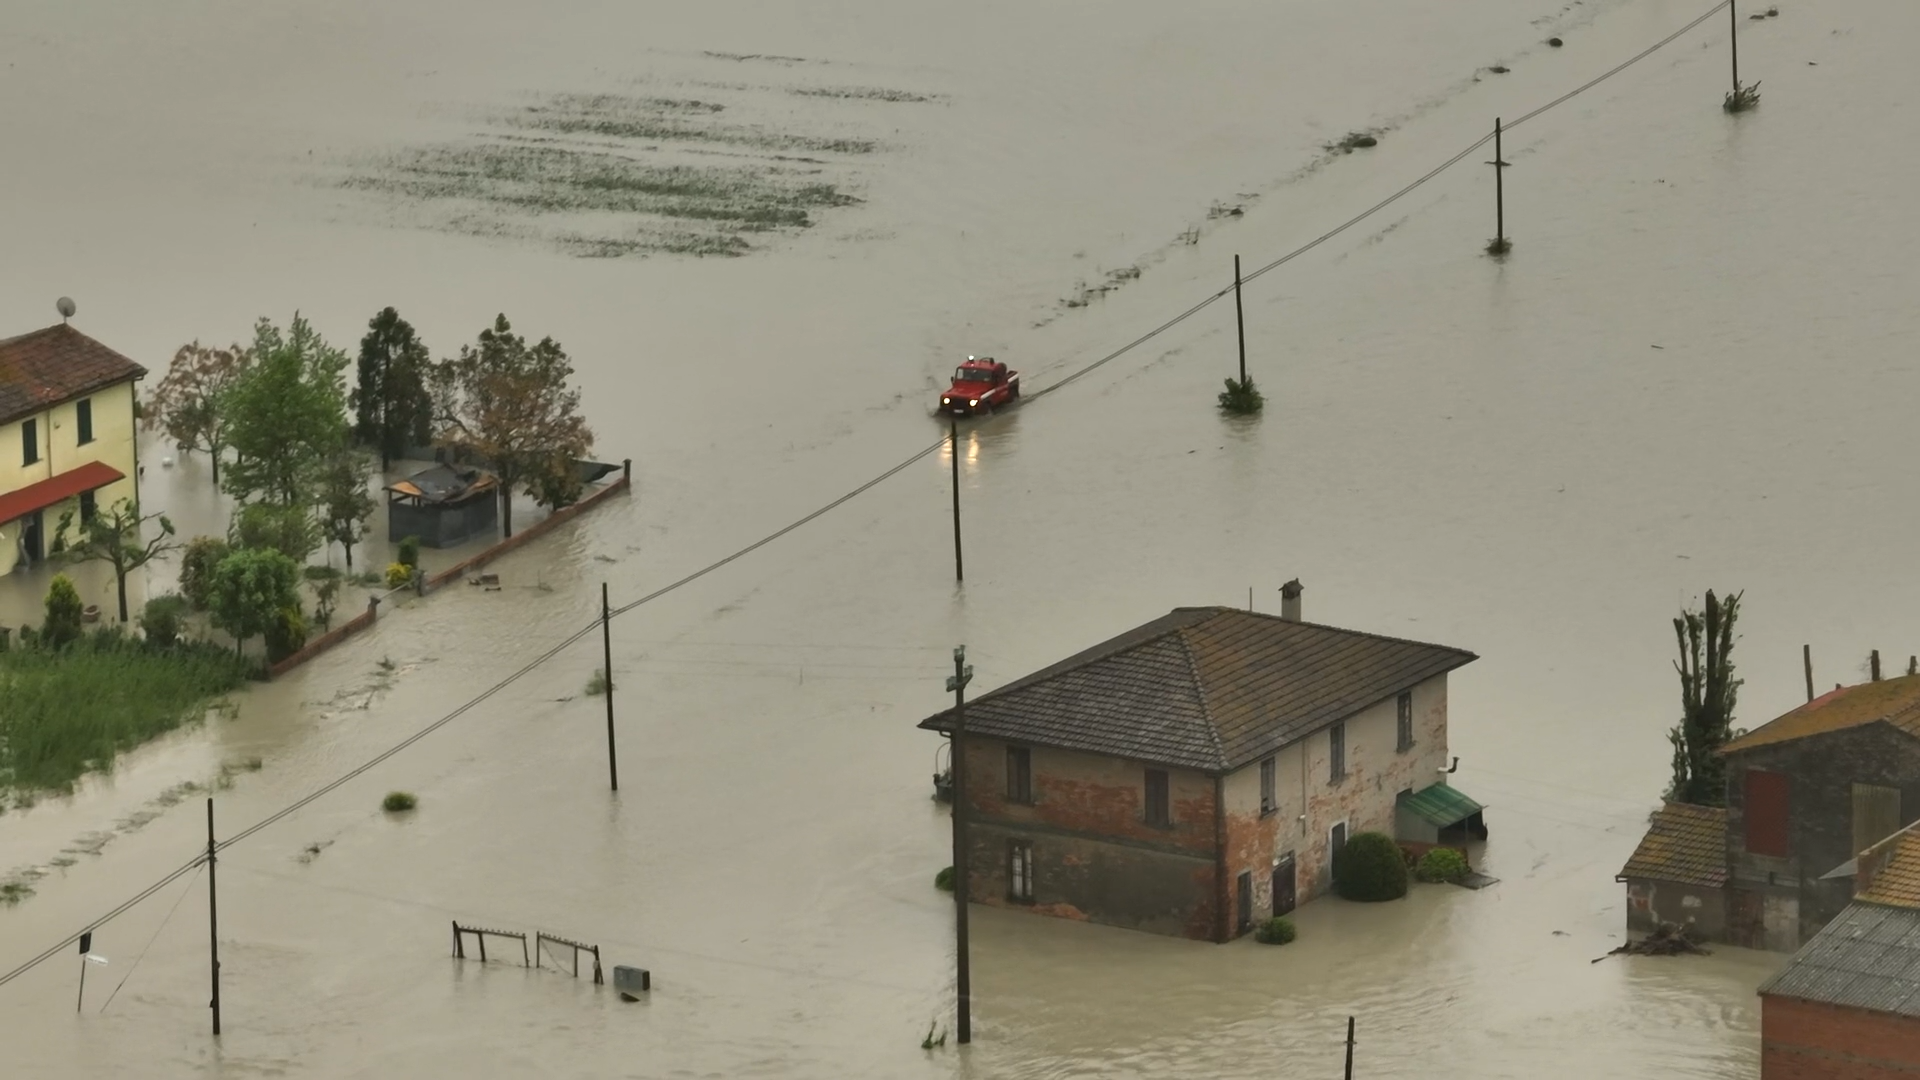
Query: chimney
[[1290, 600]]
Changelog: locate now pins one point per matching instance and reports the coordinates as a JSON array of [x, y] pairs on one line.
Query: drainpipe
[[1220, 893]]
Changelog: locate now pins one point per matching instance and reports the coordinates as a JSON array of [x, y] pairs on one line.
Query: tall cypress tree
[[391, 405], [1708, 691]]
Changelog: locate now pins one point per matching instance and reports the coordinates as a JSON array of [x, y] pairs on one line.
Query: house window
[[1876, 815], [87, 507], [1020, 871], [1405, 706], [1766, 813], [1158, 812], [1019, 775], [1268, 803], [29, 441], [1336, 843], [84, 410], [1337, 751], [1244, 921]]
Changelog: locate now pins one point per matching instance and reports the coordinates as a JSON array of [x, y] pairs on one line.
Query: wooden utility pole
[[1733, 41], [953, 443], [86, 946], [1239, 320], [1873, 664], [957, 683], [1806, 660], [1500, 164], [1349, 1048], [606, 654], [213, 920]]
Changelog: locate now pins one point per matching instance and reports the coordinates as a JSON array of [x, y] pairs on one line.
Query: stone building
[[1848, 1003], [1194, 775], [1678, 874]]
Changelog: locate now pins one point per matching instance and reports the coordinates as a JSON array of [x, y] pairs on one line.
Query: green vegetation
[[598, 684], [203, 553], [398, 575], [1442, 865], [345, 504], [187, 401], [252, 591], [1275, 931], [1499, 245], [392, 409], [286, 634], [1708, 692], [665, 120], [63, 613], [1742, 98], [162, 618], [398, 802], [1241, 398], [285, 415], [409, 555], [930, 1042], [289, 530], [944, 879], [1370, 869], [70, 711], [113, 536], [861, 93]]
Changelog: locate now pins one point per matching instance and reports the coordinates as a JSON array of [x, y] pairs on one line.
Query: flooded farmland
[[1690, 373]]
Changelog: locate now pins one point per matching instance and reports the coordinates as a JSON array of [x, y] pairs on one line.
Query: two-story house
[[1806, 793], [1194, 775], [67, 439]]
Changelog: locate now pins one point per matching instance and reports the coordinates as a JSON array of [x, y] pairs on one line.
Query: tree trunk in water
[[349, 548], [120, 577], [506, 508]]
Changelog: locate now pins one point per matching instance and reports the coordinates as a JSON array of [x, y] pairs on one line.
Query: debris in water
[[1668, 940], [1499, 69], [1555, 42]]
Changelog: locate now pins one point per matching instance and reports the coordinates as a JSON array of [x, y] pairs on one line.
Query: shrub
[[398, 574], [196, 569], [286, 635], [161, 620], [398, 801], [410, 551], [944, 879], [1443, 865], [63, 612], [1275, 931], [598, 684], [1371, 869], [1241, 398], [289, 530]]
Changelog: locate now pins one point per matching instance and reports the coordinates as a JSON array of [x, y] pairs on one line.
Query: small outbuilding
[[1678, 874], [444, 506]]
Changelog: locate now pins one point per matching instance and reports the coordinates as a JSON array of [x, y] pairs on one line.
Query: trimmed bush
[[398, 574], [410, 551], [286, 635], [1371, 869], [203, 553], [1443, 865], [398, 802], [944, 879], [1241, 398], [1275, 931], [161, 620], [63, 612]]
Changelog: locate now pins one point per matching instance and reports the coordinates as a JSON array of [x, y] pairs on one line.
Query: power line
[[849, 496]]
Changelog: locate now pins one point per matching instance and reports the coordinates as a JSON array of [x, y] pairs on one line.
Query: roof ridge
[[1222, 609], [1037, 679], [1200, 692]]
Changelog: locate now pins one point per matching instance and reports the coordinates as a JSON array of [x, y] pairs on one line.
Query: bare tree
[[114, 536], [187, 402]]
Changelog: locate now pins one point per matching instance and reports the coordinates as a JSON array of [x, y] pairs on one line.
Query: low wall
[[366, 619]]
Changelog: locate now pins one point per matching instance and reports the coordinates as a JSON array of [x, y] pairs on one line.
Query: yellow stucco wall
[[58, 434]]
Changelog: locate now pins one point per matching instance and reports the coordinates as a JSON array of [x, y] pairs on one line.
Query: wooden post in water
[[1806, 659], [606, 655], [1873, 664], [1239, 320], [953, 444], [213, 920], [1733, 41], [957, 683], [1913, 665], [1349, 1048]]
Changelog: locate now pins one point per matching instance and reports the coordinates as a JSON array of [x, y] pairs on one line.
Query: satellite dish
[[66, 307]]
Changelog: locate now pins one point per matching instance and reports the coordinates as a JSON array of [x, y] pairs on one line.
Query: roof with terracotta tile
[[1204, 688], [1893, 701], [1684, 844], [1896, 882], [44, 368]]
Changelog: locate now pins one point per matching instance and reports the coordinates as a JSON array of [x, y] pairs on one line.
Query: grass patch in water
[[664, 120], [71, 711], [863, 93], [398, 802]]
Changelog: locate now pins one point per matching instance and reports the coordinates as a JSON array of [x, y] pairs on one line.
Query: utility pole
[[1349, 1048], [86, 946], [957, 683], [953, 444], [1500, 164], [1806, 660], [1733, 41], [213, 920], [1239, 320], [606, 653]]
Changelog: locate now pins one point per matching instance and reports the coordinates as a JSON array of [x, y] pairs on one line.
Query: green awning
[[1441, 805]]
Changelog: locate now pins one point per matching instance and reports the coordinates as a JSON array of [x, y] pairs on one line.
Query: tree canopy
[[187, 402], [345, 504], [285, 416], [250, 589], [114, 536], [510, 405], [1708, 692], [392, 406]]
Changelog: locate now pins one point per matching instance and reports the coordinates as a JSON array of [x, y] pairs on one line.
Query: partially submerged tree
[[392, 406], [1707, 694], [251, 589], [286, 415], [64, 613], [289, 530], [186, 403], [114, 536], [509, 404], [345, 504]]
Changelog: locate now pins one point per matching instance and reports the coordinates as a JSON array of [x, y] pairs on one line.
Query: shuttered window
[[1158, 812], [1019, 775], [1766, 813], [1876, 815]]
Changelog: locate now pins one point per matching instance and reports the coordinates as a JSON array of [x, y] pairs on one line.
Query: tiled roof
[[44, 368], [1684, 844], [1868, 958], [1896, 701], [1204, 688], [1896, 874]]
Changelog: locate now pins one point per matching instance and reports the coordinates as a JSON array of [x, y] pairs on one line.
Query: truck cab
[[981, 384]]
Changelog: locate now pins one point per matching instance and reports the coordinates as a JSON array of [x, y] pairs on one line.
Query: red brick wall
[[1092, 794], [1804, 1041]]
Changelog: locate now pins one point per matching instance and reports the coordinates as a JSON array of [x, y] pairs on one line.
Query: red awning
[[39, 496]]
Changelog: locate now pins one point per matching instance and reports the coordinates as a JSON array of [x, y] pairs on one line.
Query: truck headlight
[[975, 401]]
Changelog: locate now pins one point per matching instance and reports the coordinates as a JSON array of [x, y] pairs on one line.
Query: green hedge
[[1371, 869]]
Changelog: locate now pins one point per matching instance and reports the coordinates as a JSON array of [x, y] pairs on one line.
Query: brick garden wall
[[1804, 1041]]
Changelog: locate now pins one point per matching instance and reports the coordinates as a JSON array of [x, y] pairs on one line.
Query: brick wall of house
[[1095, 857], [1822, 771], [1801, 1040], [1650, 903], [1311, 803]]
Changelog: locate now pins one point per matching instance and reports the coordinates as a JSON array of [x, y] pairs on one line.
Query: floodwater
[[1692, 373]]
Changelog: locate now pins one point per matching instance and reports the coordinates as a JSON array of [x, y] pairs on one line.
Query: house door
[[32, 545], [1245, 915], [1746, 919], [1283, 885]]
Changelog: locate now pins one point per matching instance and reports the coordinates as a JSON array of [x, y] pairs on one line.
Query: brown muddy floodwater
[[763, 230]]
